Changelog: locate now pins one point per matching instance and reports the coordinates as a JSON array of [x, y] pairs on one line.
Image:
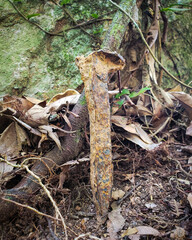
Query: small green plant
[[94, 15], [130, 94], [177, 8], [32, 15], [64, 2]]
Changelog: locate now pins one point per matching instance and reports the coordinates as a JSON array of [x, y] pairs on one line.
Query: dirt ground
[[155, 185]]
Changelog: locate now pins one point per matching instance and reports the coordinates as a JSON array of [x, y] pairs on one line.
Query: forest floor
[[154, 188]]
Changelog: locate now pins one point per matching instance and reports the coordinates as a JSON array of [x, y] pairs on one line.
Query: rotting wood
[[95, 70]]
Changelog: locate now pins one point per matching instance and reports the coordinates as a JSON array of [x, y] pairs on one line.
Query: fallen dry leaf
[[12, 140], [189, 198], [36, 101], [68, 92], [36, 116], [60, 103], [20, 105], [118, 194], [46, 129], [141, 230], [178, 234], [5, 168], [185, 100], [117, 221], [189, 130]]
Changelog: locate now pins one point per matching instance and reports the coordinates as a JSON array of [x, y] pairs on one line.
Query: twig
[[37, 25], [128, 193], [88, 23], [45, 189], [31, 208], [148, 47], [186, 173], [87, 235]]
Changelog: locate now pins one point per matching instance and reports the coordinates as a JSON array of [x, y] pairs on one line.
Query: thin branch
[[87, 235], [148, 47], [31, 208], [88, 23], [37, 25], [175, 160]]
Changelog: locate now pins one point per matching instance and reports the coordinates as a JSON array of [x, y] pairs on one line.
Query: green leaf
[[33, 15], [63, 2], [174, 9], [181, 5], [120, 102], [135, 94], [94, 15], [98, 31], [123, 92]]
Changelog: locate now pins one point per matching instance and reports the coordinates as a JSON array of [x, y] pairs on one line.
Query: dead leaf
[[186, 101], [36, 101], [118, 194], [137, 140], [129, 231], [46, 129], [178, 234], [59, 104], [134, 133], [177, 88], [36, 116], [63, 176], [187, 149], [121, 121], [162, 96], [12, 140], [190, 163], [189, 130], [5, 168], [68, 92], [116, 222], [176, 207], [20, 105], [141, 230], [189, 198]]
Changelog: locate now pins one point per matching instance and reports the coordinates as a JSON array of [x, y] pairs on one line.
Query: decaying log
[[95, 69]]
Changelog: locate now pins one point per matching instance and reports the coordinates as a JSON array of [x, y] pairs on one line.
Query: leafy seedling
[[131, 95], [94, 15], [64, 2], [32, 15]]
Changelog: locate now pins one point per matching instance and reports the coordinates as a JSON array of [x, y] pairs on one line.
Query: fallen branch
[[30, 208]]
